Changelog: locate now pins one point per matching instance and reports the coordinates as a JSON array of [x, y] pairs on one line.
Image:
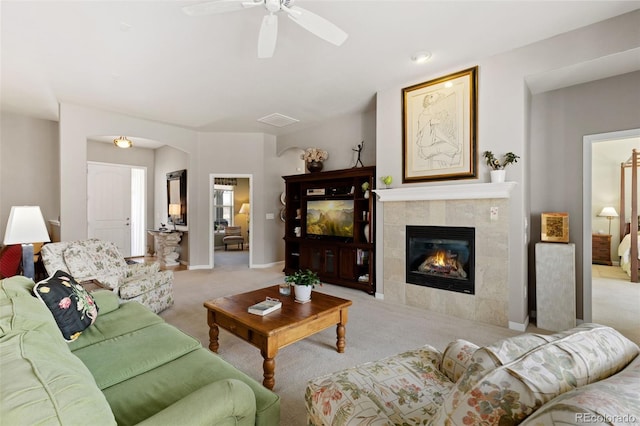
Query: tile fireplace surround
[[452, 205]]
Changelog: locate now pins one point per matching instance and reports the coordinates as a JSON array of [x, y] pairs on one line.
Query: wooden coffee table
[[294, 321]]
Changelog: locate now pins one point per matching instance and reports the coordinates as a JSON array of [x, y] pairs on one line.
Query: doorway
[[593, 303], [116, 200], [230, 206]]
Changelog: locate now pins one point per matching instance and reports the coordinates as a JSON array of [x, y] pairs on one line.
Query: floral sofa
[[99, 260], [589, 374]]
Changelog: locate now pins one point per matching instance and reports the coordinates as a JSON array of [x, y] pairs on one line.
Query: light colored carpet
[[376, 329], [615, 300]]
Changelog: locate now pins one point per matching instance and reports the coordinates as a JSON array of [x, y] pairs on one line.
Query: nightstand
[[601, 249]]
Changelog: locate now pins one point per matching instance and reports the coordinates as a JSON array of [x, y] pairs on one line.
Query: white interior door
[[109, 204]]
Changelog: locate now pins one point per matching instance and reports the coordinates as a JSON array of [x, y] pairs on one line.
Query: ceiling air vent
[[277, 120]]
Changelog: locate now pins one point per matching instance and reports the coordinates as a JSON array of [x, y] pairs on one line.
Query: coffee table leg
[[341, 343], [269, 368], [213, 338]]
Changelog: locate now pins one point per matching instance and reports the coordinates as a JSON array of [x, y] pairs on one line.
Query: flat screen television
[[330, 218]]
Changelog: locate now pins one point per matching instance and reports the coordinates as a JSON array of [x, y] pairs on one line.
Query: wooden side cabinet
[[601, 249]]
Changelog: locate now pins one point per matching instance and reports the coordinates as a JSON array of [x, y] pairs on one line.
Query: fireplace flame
[[443, 262]]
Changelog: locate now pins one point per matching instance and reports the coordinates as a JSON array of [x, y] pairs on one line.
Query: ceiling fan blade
[[219, 6], [316, 25], [268, 36]]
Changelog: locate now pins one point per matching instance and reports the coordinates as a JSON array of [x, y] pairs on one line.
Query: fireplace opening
[[441, 257]]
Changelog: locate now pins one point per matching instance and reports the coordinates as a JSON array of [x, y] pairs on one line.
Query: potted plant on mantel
[[303, 282], [497, 168]]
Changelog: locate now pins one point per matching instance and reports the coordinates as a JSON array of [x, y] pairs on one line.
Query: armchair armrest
[[142, 268], [223, 402]]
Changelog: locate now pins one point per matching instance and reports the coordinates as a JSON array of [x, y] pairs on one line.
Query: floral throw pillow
[[72, 307]]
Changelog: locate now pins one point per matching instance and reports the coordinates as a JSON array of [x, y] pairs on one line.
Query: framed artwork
[[439, 128], [555, 227]]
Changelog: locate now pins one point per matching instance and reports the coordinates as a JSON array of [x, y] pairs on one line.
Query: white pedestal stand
[[167, 245]]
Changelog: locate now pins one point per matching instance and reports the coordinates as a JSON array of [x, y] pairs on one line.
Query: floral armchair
[[99, 260]]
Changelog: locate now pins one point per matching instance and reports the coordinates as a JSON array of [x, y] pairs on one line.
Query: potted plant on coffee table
[[303, 282]]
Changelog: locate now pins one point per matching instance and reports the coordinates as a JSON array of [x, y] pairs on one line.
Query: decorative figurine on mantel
[[359, 151]]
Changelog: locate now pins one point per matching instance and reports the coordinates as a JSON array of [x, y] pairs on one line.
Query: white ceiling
[[148, 59]]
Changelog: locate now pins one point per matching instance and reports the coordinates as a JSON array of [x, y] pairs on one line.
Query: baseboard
[[379, 296], [193, 267], [267, 265], [519, 326]]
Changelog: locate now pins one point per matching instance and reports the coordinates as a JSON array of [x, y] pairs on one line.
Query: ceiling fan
[[269, 29]]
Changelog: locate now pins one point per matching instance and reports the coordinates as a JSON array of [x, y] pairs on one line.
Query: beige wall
[[29, 166]]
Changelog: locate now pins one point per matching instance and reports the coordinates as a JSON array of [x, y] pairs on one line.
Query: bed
[[624, 251], [629, 250]]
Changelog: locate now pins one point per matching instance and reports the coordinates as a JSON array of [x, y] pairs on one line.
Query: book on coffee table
[[266, 307]]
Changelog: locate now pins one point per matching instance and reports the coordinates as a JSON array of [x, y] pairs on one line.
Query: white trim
[[446, 192], [379, 296], [212, 178], [587, 177], [195, 267], [519, 326], [267, 265]]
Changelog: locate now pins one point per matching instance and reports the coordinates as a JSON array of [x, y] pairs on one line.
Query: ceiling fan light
[[122, 142], [421, 57]]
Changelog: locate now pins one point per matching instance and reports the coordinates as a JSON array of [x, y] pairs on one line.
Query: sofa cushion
[[615, 400], [41, 382], [72, 307], [137, 352], [225, 402], [143, 395], [405, 386], [129, 317], [457, 356], [509, 393]]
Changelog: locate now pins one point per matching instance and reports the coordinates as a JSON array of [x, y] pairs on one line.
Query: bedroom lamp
[[174, 211], [245, 209], [609, 213], [26, 226]]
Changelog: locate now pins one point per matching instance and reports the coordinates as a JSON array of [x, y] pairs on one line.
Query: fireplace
[[441, 257]]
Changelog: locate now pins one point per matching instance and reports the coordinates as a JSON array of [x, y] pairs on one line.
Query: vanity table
[[167, 244]]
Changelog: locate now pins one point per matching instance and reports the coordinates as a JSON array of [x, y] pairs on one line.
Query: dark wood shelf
[[348, 262]]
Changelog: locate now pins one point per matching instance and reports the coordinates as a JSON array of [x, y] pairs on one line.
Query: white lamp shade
[[608, 212], [245, 208], [26, 225]]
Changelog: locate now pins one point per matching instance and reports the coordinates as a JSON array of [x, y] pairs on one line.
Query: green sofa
[[129, 367]]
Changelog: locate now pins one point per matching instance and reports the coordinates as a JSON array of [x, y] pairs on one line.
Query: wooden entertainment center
[[344, 257]]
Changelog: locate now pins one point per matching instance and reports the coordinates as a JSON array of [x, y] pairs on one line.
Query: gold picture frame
[[439, 128], [555, 227]]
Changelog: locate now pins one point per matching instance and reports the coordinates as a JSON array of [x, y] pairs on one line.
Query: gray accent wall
[[559, 121]]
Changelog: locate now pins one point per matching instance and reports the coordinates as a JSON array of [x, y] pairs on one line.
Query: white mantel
[[446, 192]]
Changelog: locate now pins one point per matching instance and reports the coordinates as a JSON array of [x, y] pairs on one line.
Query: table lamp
[[174, 211], [609, 213], [245, 209], [26, 226]]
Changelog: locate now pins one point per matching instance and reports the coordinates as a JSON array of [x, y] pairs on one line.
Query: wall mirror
[[177, 197]]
